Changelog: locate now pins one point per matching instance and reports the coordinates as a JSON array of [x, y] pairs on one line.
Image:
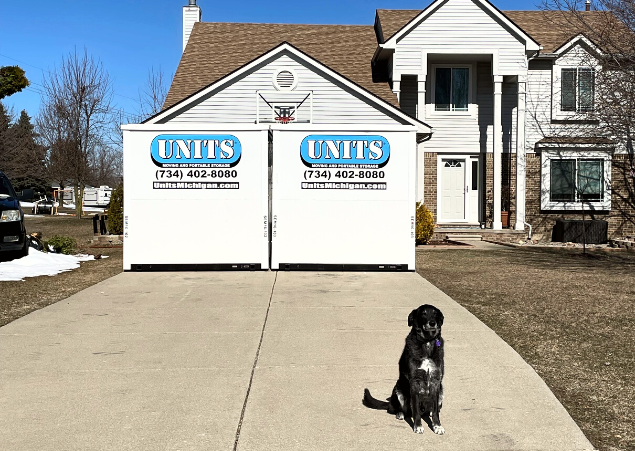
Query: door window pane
[[443, 89], [460, 82], [474, 175], [562, 180], [585, 89], [568, 94], [591, 179]]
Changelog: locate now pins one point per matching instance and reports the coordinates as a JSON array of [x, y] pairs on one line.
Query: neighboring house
[[498, 91]]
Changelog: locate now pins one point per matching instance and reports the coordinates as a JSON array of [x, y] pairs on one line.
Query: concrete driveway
[[258, 361]]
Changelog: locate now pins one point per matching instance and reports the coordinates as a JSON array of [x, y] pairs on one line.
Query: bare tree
[[151, 99], [106, 166], [76, 113], [600, 96], [152, 95]]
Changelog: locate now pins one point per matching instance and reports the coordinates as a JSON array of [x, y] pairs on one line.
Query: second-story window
[[451, 88], [577, 90]]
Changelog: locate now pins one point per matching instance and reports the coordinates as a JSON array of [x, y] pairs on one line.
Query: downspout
[[530, 228]]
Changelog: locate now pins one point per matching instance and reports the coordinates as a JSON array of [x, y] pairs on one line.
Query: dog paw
[[438, 430], [418, 429], [400, 416]]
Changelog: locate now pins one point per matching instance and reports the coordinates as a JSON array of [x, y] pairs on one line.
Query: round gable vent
[[285, 80]]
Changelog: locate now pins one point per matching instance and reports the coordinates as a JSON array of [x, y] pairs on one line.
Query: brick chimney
[[191, 15], [587, 4]]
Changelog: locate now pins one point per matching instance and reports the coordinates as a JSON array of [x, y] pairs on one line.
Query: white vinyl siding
[[474, 133], [460, 24], [544, 96], [459, 131], [538, 109], [236, 103], [191, 15]]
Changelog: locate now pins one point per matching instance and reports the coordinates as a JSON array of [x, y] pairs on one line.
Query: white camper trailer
[[97, 197], [93, 197]]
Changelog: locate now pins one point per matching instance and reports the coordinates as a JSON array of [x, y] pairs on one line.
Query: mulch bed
[[571, 316]]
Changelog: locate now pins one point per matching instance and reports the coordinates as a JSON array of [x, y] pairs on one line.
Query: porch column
[[421, 97], [521, 162], [497, 144], [396, 86]]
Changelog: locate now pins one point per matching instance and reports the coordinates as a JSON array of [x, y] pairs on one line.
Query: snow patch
[[40, 264]]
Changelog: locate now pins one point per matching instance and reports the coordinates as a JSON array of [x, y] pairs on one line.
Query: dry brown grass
[[570, 316], [21, 298]]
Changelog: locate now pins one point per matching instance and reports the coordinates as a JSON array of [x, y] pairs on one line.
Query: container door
[[196, 200], [343, 200]]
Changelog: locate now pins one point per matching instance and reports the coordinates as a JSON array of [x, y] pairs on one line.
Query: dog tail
[[373, 403]]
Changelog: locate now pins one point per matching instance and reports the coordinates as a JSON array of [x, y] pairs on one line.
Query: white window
[[451, 88], [577, 89], [576, 181]]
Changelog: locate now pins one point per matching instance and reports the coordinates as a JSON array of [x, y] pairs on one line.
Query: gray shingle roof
[[217, 49]]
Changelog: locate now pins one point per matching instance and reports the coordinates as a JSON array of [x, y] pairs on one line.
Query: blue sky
[[130, 37]]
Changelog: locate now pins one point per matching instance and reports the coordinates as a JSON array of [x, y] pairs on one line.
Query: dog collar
[[438, 343]]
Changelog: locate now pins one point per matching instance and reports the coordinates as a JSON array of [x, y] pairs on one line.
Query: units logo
[[196, 151], [363, 151]]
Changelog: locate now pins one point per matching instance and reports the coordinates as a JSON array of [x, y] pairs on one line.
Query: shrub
[[63, 244], [425, 224], [115, 212]]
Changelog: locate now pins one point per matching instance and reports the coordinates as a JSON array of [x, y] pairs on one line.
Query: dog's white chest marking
[[427, 365]]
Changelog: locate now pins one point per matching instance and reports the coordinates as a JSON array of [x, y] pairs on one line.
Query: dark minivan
[[13, 239]]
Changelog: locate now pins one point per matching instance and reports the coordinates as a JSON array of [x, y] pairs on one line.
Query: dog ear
[[439, 317], [411, 317]]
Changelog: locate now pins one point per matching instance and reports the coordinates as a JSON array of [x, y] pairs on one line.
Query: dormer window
[[577, 90]]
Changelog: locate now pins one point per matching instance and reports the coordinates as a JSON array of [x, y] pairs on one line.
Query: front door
[[452, 190]]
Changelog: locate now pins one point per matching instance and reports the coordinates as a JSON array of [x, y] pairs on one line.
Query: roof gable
[[415, 21], [579, 40], [285, 49]]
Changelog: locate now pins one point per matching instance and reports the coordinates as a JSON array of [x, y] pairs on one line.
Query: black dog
[[419, 388]]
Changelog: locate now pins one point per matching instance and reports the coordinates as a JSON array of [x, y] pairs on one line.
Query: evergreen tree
[[12, 80], [28, 168], [5, 123], [115, 212]]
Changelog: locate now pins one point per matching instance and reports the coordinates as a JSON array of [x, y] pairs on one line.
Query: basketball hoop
[[286, 107], [284, 119], [284, 114]]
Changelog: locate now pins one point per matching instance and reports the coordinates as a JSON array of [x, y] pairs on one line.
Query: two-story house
[[495, 98]]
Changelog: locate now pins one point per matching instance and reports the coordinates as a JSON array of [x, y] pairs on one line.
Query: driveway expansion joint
[[253, 369]]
